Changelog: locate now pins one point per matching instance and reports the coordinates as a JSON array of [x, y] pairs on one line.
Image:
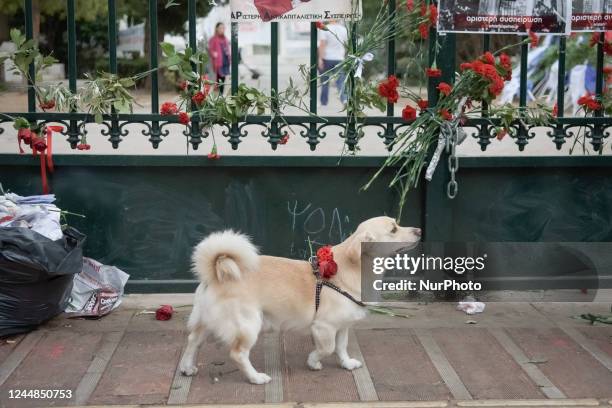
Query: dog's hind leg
[[323, 335], [188, 361], [241, 349], [341, 345]]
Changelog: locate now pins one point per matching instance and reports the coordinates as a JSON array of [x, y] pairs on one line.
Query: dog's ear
[[354, 249]]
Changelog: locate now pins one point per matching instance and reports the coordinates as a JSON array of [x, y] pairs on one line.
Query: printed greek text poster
[[591, 15], [505, 16], [294, 10]]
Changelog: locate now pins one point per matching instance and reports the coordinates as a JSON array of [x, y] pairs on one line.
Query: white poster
[[505, 16], [295, 10]]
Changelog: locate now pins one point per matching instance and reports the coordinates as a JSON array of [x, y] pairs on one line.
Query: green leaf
[[21, 123], [16, 37], [168, 49], [98, 117]]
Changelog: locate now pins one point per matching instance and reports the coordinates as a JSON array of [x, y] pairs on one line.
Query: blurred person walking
[[220, 56], [332, 51]]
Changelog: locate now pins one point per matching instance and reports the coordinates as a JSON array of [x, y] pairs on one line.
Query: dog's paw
[[313, 363], [260, 378], [351, 364], [189, 370]]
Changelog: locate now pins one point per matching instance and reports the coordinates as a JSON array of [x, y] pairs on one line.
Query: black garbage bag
[[36, 276]]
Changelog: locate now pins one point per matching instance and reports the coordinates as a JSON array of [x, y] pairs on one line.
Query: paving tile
[[219, 380], [7, 345], [482, 364], [58, 362], [600, 335], [399, 366], [141, 370], [117, 320], [301, 384], [571, 368]]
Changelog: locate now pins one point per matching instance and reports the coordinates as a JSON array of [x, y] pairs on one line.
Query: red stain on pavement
[[56, 351]]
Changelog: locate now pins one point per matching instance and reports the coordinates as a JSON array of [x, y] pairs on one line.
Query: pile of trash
[[37, 213], [42, 269]]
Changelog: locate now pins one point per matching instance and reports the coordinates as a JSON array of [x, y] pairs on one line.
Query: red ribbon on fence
[[41, 146]]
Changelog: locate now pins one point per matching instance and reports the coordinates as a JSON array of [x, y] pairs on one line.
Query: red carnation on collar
[[327, 266]]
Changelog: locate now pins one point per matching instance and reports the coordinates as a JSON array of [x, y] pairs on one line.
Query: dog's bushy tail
[[223, 256]]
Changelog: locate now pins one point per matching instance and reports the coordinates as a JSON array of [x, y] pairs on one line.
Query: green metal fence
[[314, 127]]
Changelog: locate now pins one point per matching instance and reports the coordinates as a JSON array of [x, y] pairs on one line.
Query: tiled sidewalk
[[514, 352]]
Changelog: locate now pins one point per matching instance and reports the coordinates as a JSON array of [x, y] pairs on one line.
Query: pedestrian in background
[[332, 51], [220, 56]]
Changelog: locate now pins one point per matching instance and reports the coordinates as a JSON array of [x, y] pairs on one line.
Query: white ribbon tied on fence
[[360, 62]]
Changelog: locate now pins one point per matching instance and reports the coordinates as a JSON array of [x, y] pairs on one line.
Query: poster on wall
[[505, 16], [591, 15], [294, 10]]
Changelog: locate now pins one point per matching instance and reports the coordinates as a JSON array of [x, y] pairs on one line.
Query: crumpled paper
[[471, 307]]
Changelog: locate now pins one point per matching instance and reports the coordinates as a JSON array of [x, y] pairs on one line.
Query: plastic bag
[[36, 276], [97, 290]]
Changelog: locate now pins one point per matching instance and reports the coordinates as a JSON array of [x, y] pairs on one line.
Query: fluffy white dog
[[242, 292]]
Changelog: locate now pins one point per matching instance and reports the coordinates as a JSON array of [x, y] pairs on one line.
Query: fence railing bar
[[313, 139], [523, 79], [264, 119], [73, 127], [484, 134], [154, 132], [559, 134], [115, 133], [274, 135], [234, 134], [29, 29], [597, 134], [391, 69], [196, 134]]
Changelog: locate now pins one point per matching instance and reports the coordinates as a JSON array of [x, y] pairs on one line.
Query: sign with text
[[591, 15], [294, 10], [505, 16]]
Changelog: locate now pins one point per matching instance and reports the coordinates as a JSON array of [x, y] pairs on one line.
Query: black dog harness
[[323, 282]]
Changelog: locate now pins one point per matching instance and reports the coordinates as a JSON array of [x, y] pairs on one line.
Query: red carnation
[[465, 65], [183, 85], [328, 268], [284, 139], [325, 254], [198, 98], [423, 104], [594, 39], [502, 133], [555, 110], [169, 108], [321, 26], [446, 115], [45, 105], [534, 40], [424, 31], [410, 5], [83, 146], [409, 113], [388, 89], [444, 88], [164, 312], [38, 143], [433, 72], [488, 58], [433, 14], [183, 118]]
